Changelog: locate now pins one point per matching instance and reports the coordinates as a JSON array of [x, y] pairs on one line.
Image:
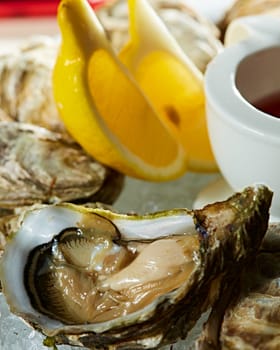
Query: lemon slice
[[103, 107], [170, 80]]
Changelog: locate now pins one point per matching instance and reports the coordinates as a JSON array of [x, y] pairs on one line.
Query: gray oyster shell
[[218, 240], [252, 320], [197, 36], [26, 83], [39, 166], [241, 8]]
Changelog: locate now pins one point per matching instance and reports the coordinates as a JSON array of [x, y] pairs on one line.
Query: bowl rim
[[225, 99]]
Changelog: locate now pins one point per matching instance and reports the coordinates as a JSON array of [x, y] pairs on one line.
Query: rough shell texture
[[39, 166], [253, 322], [197, 36], [9, 223], [228, 232], [252, 319], [25, 83], [249, 7]]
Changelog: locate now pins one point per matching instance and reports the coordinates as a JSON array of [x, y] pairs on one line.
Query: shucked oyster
[[252, 321], [39, 166], [111, 281]]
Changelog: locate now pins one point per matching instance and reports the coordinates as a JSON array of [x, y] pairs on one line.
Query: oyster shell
[[26, 83], [9, 223], [198, 37], [91, 277], [242, 8], [252, 320], [39, 166]]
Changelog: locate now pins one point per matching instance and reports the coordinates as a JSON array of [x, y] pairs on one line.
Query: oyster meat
[[39, 166], [252, 321], [91, 277]]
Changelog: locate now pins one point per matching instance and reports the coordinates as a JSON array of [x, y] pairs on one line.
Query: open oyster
[[39, 166], [104, 280], [252, 321]]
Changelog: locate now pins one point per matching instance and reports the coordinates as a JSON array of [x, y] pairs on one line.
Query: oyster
[[242, 8], [252, 321], [39, 166], [95, 278], [9, 223], [198, 37], [25, 83]]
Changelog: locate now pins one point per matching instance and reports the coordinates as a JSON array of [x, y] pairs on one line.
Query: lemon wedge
[[170, 80], [102, 105]]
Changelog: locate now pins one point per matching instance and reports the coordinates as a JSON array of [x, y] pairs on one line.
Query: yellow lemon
[[171, 82], [103, 107]]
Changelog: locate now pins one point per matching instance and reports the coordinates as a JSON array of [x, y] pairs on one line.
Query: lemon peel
[[103, 107], [170, 80]]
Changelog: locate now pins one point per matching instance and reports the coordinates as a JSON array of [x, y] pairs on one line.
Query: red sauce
[[269, 104]]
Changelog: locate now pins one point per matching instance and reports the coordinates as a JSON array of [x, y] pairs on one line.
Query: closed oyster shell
[[26, 84], [252, 318], [242, 8], [39, 166], [253, 321], [198, 37], [214, 243]]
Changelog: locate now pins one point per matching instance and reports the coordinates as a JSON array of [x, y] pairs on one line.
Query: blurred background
[[31, 8], [12, 8]]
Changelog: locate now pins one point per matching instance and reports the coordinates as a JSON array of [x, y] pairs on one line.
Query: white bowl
[[245, 141]]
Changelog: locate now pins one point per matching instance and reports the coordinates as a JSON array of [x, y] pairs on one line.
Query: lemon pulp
[[102, 105], [171, 82]]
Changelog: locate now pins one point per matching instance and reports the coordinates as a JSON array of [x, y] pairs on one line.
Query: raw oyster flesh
[[39, 166], [252, 321], [95, 278]]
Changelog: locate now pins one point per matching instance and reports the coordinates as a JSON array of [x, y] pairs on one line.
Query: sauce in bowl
[[269, 104]]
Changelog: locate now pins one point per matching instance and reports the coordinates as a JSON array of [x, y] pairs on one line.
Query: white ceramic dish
[[245, 140]]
